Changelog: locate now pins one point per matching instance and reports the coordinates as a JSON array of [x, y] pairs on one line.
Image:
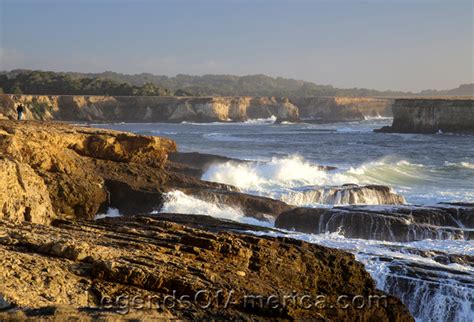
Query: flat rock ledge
[[178, 267], [390, 223]]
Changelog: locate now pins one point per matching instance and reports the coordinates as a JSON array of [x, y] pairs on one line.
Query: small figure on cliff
[[20, 110]]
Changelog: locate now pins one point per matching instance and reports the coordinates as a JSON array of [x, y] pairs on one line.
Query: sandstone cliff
[[432, 116], [340, 109], [51, 169], [148, 109]]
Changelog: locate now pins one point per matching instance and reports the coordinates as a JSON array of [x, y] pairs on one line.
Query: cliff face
[[50, 170], [148, 109], [432, 115], [342, 108]]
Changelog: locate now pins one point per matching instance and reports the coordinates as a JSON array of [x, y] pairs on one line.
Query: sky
[[382, 44]]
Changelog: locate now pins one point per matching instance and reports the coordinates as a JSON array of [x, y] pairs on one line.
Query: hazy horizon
[[383, 45]]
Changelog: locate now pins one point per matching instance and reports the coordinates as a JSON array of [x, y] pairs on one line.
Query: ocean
[[425, 169]]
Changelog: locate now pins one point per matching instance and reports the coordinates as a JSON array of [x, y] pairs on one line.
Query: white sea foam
[[111, 212], [466, 165], [377, 117], [181, 203], [277, 173], [284, 177], [270, 120]]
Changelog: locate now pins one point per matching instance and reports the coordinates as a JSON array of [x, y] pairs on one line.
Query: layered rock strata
[[148, 109], [178, 267], [389, 223], [454, 115]]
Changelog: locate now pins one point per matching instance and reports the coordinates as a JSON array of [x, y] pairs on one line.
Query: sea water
[[425, 169]]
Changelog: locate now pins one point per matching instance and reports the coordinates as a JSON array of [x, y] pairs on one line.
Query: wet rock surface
[[346, 194], [72, 266], [390, 223]]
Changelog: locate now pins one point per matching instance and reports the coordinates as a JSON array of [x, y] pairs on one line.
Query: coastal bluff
[[430, 115], [80, 108], [147, 108], [342, 109]]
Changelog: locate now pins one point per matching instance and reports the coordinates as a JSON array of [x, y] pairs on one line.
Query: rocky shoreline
[[182, 266], [57, 261]]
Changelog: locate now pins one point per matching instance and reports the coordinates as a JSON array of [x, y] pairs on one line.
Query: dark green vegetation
[[145, 84], [50, 83]]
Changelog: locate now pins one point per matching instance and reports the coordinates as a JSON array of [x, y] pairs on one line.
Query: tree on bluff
[[51, 83]]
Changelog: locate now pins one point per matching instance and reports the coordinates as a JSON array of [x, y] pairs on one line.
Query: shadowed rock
[[395, 223], [418, 115]]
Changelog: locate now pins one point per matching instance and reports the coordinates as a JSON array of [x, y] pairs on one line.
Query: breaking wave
[[466, 165], [181, 203], [282, 178], [287, 172]]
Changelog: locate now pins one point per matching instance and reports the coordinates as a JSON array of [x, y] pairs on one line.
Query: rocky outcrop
[[390, 223], [179, 267], [341, 109], [349, 194], [432, 115], [74, 172], [54, 170], [148, 109], [23, 194]]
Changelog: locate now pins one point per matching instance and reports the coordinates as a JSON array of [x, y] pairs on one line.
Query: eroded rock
[[391, 223], [64, 168], [74, 266]]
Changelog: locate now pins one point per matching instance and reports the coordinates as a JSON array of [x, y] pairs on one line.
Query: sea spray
[[270, 120], [111, 212], [278, 173], [283, 177], [178, 202]]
